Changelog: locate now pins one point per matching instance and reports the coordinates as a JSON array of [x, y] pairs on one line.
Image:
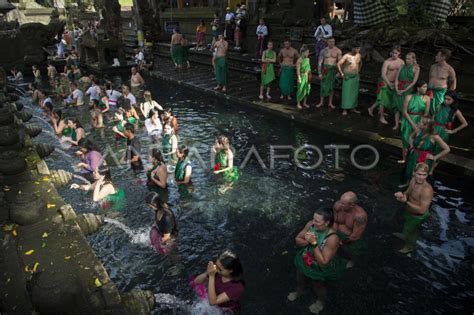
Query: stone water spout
[[24, 116], [44, 150], [27, 208], [60, 178], [33, 130], [89, 222], [11, 163], [138, 302]]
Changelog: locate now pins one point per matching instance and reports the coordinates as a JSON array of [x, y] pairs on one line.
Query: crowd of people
[[333, 240]]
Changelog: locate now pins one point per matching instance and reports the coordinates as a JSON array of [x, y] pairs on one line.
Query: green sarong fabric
[[180, 170], [416, 110], [329, 78], [166, 144], [412, 224], [304, 87], [331, 271], [221, 70], [287, 80], [384, 95], [352, 248], [115, 201], [177, 54], [405, 78], [231, 175], [438, 98], [268, 69], [441, 119], [421, 146], [350, 91]]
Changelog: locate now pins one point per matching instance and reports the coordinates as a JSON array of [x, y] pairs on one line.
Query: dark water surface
[[262, 213]]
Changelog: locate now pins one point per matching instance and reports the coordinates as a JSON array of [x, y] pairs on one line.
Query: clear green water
[[260, 216]]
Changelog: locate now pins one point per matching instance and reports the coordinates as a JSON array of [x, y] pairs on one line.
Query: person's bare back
[[176, 39], [440, 75]]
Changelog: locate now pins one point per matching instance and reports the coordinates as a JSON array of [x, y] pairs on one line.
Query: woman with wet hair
[[316, 261], [153, 125], [157, 175], [104, 190], [168, 118], [164, 230], [224, 159], [225, 284], [77, 133], [183, 170], [169, 144], [59, 125]]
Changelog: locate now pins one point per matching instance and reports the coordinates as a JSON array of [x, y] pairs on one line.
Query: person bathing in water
[[224, 159], [225, 285], [164, 230]]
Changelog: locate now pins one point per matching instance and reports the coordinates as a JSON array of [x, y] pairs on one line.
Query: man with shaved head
[[350, 221]]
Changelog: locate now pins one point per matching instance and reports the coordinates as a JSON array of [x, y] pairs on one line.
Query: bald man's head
[[348, 200]]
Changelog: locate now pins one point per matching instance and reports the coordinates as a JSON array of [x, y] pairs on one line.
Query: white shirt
[[153, 129], [113, 96], [229, 16], [93, 91], [323, 31], [79, 96], [139, 57], [147, 106], [262, 30], [132, 98]]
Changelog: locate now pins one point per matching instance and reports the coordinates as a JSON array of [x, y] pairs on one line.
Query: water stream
[[261, 214]]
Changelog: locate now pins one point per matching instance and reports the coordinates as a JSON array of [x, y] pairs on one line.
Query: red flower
[[449, 125], [310, 76], [308, 259], [106, 205], [217, 167], [325, 70], [430, 94]]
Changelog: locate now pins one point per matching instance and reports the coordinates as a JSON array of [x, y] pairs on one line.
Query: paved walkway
[[243, 90]]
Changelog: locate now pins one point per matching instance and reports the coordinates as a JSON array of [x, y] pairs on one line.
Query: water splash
[[82, 179], [202, 307], [139, 236]]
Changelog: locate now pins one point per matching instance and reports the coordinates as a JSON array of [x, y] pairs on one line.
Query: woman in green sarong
[[119, 128], [422, 144], [169, 143], [104, 190], [444, 118], [317, 260], [405, 81], [224, 161], [303, 71], [183, 170], [268, 70], [415, 106]]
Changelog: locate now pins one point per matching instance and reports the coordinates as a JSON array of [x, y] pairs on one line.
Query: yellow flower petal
[[14, 233], [31, 251], [27, 269], [97, 282], [35, 267], [44, 235], [67, 257], [50, 205]]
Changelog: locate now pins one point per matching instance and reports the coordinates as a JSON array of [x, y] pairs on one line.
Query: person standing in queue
[[225, 285], [132, 155], [220, 63]]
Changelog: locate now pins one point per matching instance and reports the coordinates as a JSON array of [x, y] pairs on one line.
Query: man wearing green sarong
[[386, 85], [417, 198], [220, 63], [327, 69], [176, 48], [350, 222], [349, 68], [287, 58], [442, 78]]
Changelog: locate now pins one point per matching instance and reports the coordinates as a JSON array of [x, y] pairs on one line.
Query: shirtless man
[[220, 62], [349, 68], [52, 72], [136, 82], [350, 219], [327, 68], [386, 84], [176, 48], [442, 78], [417, 198], [287, 58]]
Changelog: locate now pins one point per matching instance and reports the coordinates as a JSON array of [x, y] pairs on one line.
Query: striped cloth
[[373, 12], [437, 10]]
